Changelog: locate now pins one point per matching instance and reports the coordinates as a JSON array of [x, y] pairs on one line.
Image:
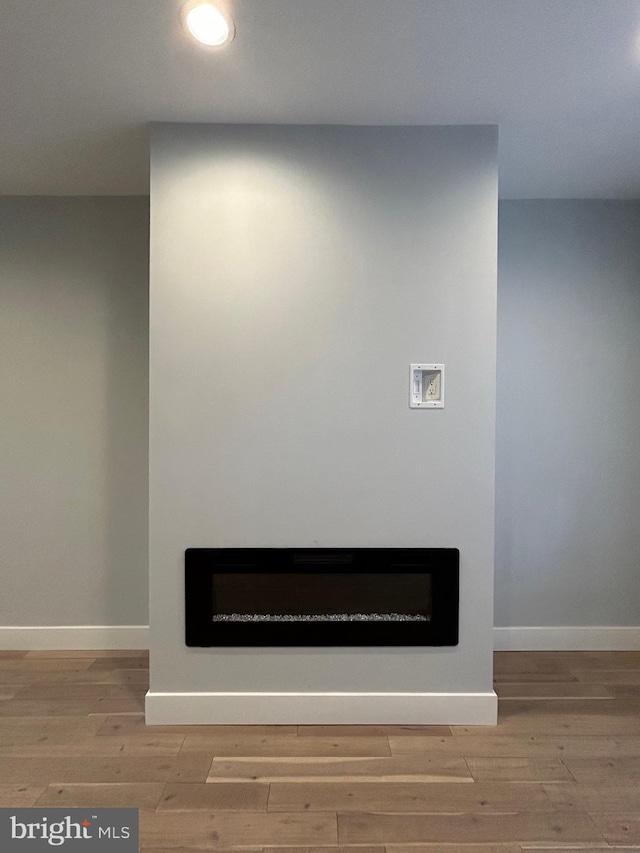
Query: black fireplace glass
[[395, 595], [321, 597]]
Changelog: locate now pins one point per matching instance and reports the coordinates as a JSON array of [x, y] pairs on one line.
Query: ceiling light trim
[[208, 23]]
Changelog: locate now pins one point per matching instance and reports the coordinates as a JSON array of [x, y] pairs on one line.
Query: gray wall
[[296, 273], [73, 329], [568, 426], [73, 382]]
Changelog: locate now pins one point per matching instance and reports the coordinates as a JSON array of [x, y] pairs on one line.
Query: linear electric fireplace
[[321, 596]]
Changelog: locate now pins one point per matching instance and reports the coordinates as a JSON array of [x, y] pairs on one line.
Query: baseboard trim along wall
[[463, 709], [77, 637], [570, 638], [516, 639]]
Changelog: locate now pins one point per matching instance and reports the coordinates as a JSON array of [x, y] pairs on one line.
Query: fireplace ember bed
[[321, 596]]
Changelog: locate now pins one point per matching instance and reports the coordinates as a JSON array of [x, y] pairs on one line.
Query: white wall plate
[[426, 386]]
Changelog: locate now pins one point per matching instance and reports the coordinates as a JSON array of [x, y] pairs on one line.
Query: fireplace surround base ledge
[[460, 709]]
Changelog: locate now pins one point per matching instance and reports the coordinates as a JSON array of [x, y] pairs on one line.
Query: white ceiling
[[80, 80]]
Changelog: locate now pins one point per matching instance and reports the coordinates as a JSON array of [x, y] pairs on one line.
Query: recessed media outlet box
[[426, 386]]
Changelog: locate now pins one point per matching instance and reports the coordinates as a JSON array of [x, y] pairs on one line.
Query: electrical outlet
[[433, 386], [426, 388]]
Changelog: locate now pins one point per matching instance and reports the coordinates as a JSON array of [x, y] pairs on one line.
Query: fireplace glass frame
[[438, 628]]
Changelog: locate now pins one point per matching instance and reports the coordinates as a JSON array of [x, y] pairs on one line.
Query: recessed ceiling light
[[207, 24]]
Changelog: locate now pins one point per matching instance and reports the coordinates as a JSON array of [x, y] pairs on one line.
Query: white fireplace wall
[[296, 273]]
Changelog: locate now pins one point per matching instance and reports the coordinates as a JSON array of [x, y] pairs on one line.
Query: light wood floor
[[560, 771]]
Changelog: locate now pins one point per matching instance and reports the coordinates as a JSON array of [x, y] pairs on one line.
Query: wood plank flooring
[[561, 771]]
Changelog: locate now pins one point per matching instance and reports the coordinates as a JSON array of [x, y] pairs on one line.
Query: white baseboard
[[570, 638], [75, 637], [462, 709]]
